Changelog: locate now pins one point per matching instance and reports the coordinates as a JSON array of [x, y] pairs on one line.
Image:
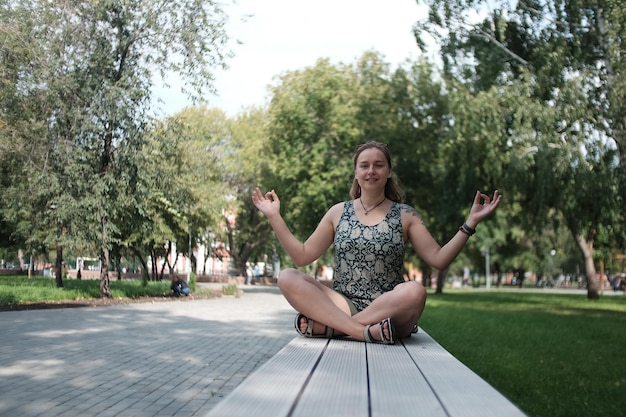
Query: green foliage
[[21, 290], [522, 104], [230, 289], [24, 290], [442, 143], [528, 344], [556, 68], [85, 73], [313, 132]]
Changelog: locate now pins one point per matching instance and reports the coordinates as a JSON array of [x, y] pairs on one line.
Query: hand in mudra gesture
[[483, 206], [268, 204]]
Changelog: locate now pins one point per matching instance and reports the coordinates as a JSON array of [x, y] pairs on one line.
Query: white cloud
[[285, 35]]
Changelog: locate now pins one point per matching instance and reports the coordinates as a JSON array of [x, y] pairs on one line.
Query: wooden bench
[[343, 378]]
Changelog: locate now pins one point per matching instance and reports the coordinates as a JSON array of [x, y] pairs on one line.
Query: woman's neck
[[372, 206], [372, 199]]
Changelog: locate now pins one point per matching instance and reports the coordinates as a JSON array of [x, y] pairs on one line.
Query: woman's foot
[[385, 333], [309, 328]]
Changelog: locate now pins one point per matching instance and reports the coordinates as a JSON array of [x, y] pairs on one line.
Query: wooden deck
[[342, 378]]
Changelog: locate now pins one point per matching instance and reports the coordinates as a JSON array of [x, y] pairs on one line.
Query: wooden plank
[[275, 386], [397, 387], [338, 387], [461, 391]]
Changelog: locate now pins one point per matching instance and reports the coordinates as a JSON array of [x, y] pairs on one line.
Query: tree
[[247, 165], [313, 130], [569, 55], [92, 75]]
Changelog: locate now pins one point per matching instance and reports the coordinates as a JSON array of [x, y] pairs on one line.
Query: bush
[[230, 289]]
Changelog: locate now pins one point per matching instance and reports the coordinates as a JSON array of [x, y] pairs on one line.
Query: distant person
[[179, 286], [257, 274], [466, 275], [249, 274]]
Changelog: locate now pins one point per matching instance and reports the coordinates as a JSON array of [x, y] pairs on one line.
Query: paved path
[[143, 360]]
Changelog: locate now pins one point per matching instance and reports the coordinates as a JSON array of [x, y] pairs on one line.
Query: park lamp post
[[485, 253], [552, 253]]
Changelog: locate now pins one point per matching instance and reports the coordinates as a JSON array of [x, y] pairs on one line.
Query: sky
[[286, 35]]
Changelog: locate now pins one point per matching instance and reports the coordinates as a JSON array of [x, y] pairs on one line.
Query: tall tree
[[247, 165], [561, 48], [94, 69], [313, 131]]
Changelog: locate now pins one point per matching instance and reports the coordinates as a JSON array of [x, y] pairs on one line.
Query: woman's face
[[372, 169]]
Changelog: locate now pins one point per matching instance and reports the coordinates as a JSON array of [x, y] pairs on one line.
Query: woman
[[370, 300]]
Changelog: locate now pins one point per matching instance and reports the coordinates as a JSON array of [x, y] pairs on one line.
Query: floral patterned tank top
[[368, 259]]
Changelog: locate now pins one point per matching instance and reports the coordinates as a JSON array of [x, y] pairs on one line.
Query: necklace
[[366, 210]]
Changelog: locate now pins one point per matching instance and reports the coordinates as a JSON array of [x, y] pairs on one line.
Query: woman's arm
[[301, 253], [427, 247]]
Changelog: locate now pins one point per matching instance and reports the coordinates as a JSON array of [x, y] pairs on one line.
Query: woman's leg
[[315, 300], [404, 304]]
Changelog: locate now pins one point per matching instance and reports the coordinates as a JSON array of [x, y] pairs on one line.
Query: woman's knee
[[413, 293], [289, 277]]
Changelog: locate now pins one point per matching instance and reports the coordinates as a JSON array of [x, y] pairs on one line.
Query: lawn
[[554, 355], [23, 290]]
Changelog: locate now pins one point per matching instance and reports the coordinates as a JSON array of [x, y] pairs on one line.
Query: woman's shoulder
[[408, 211], [337, 208], [334, 212], [341, 204], [403, 207]]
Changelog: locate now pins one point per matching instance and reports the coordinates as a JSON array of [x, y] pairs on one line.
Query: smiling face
[[372, 169]]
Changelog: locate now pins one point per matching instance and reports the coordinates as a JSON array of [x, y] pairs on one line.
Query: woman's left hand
[[482, 207]]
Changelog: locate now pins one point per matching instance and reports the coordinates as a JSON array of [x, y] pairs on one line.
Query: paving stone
[[141, 360]]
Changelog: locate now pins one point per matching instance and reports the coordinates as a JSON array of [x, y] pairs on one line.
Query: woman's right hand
[[268, 204]]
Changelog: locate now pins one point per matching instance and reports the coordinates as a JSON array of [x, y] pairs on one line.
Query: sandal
[[367, 335], [328, 332]]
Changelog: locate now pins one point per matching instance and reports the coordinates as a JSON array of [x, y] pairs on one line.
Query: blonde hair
[[392, 189]]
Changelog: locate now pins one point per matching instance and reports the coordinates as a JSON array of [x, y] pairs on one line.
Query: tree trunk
[[586, 247], [59, 265], [441, 279], [139, 256], [426, 271], [118, 266], [153, 264], [105, 288]]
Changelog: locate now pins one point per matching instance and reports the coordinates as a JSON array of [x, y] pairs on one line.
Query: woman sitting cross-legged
[[369, 299]]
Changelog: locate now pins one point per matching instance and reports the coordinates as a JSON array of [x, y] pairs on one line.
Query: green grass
[[230, 289], [23, 290], [554, 355]]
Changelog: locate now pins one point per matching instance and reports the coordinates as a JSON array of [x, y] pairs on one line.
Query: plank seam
[[306, 381], [445, 409], [367, 374]]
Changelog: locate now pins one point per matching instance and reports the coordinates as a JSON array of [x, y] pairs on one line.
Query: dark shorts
[[353, 308]]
